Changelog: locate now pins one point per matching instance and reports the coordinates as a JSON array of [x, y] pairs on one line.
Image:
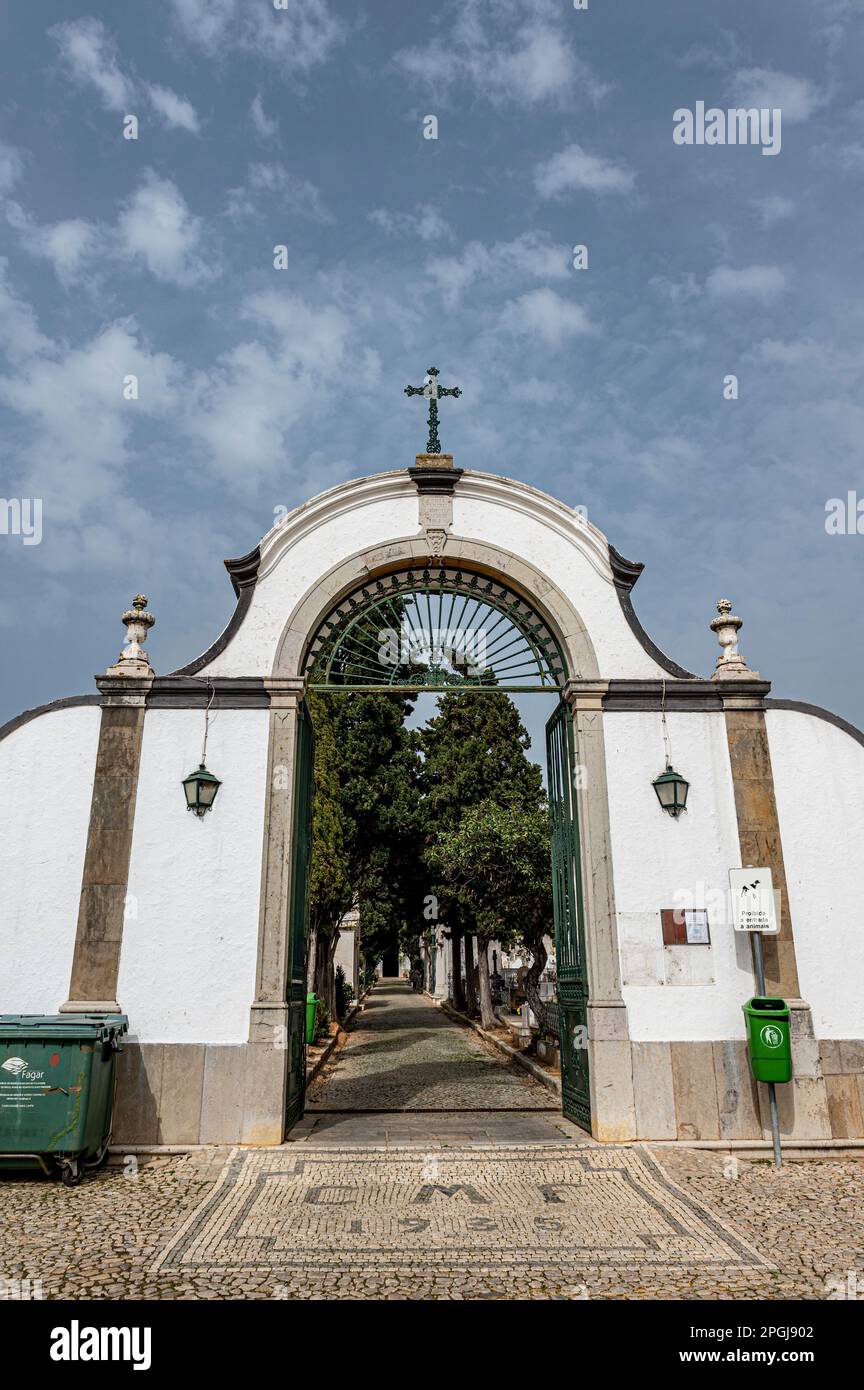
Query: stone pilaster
[[269, 1010], [99, 933], [268, 1055], [803, 1102], [613, 1109], [759, 825]]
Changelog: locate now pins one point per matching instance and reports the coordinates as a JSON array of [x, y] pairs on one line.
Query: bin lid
[[766, 1004], [94, 1027]]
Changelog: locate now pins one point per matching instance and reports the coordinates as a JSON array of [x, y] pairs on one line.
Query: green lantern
[[671, 789], [200, 788]]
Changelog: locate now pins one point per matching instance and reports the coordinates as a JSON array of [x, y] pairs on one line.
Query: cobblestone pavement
[[405, 1054], [525, 1221], [431, 1169]]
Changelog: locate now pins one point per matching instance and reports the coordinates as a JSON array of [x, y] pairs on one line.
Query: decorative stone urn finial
[[730, 663], [133, 662]]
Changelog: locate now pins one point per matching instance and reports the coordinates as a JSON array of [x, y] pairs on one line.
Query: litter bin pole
[[772, 1092]]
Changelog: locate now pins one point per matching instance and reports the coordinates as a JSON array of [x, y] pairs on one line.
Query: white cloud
[[545, 314], [242, 409], [77, 431], [176, 111], [204, 21], [20, 335], [310, 338], [534, 391], [574, 168], [298, 195], [677, 291], [760, 282], [508, 52], [265, 125], [699, 55], [157, 227], [11, 167], [297, 38], [79, 436], [773, 209], [529, 256], [426, 223], [65, 244], [154, 226], [796, 97], [850, 157], [90, 57], [789, 354]]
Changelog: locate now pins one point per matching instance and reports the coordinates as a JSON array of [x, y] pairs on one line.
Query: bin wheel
[[71, 1172]]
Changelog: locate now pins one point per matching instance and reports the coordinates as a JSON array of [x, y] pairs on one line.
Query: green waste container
[[57, 1090], [311, 1011], [767, 1019]]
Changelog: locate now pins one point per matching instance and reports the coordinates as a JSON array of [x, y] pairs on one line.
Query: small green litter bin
[[767, 1019], [57, 1090], [311, 1011]]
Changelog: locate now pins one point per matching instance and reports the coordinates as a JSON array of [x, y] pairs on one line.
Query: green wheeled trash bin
[[767, 1019], [311, 1011], [57, 1090]]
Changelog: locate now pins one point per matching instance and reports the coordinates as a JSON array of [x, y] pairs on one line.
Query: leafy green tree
[[331, 890], [474, 754], [365, 854], [497, 863]]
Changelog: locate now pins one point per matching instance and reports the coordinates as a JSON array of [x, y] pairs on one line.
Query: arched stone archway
[[280, 982], [525, 578]]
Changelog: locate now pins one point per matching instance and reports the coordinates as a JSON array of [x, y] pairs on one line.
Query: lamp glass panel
[[206, 792], [666, 793]]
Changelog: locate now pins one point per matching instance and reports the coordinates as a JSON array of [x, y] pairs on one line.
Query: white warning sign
[[754, 907]]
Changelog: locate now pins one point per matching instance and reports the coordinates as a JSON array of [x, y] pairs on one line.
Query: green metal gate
[[300, 854], [569, 919]]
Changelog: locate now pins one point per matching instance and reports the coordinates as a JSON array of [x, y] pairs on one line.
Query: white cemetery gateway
[[114, 897]]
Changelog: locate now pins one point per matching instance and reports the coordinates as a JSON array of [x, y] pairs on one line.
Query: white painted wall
[[46, 785], [679, 992], [348, 956], [187, 965], [819, 785]]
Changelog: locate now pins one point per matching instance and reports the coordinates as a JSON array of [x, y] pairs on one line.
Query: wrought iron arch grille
[[433, 628]]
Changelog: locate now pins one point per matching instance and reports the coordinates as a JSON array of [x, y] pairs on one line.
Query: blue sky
[[259, 387]]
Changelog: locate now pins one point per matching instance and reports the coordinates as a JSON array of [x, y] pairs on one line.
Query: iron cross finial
[[432, 391]]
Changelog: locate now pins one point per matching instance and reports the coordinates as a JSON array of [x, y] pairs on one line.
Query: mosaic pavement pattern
[[376, 1210], [134, 1232], [405, 1054]]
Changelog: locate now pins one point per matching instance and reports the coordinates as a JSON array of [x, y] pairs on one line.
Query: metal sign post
[[772, 1091], [754, 911]]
